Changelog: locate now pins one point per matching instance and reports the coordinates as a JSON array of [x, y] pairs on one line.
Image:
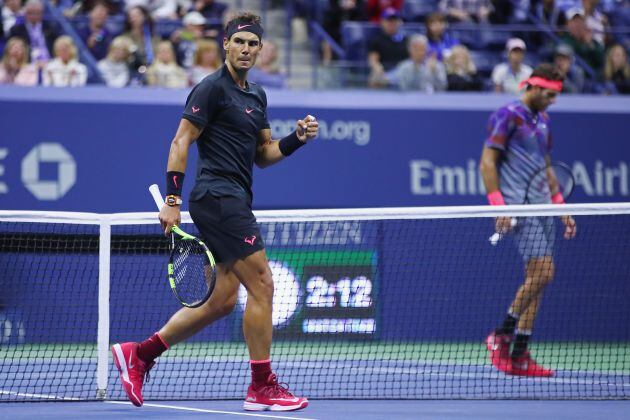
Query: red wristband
[[495, 198], [557, 198]]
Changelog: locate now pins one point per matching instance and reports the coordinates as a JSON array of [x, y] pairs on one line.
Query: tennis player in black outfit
[[227, 116]]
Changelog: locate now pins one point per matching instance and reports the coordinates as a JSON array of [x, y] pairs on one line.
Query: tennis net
[[369, 303]]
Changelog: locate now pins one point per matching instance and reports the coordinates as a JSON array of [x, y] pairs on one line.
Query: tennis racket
[[546, 182], [192, 271]]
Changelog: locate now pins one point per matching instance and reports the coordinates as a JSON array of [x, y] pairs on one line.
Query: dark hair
[[243, 17], [547, 71], [435, 16], [148, 20]]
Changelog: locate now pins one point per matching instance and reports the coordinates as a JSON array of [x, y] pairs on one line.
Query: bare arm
[[488, 167], [490, 174], [268, 150], [570, 227], [551, 177], [374, 59], [186, 135]]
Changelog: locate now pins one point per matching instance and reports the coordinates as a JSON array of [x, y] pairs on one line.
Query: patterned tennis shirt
[[524, 139]]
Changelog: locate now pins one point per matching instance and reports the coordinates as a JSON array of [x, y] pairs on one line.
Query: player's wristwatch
[[172, 200]]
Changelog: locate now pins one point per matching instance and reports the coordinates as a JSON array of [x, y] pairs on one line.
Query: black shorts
[[227, 226]]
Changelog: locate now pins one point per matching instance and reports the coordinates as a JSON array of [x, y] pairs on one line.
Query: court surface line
[[42, 396], [202, 410], [488, 375]]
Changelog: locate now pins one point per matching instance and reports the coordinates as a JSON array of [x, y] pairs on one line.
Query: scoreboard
[[322, 293]]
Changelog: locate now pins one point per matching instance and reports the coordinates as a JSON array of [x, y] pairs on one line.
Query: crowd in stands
[[576, 35], [415, 45], [161, 43]]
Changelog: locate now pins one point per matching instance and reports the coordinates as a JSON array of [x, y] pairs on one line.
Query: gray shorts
[[534, 237]]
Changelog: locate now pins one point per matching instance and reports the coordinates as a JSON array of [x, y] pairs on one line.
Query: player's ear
[[226, 42]]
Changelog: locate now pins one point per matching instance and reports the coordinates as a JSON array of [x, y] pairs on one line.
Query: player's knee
[[264, 285], [544, 273], [541, 271]]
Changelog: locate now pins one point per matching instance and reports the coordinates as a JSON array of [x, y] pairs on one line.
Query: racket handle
[[496, 237], [157, 196]]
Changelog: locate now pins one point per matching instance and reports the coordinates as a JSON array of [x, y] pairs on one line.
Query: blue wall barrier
[[98, 149]]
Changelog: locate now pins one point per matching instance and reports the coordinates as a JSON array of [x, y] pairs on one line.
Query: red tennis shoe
[[132, 370], [526, 366], [273, 397], [498, 346]]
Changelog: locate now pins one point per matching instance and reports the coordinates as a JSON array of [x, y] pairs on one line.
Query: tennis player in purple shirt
[[518, 145]]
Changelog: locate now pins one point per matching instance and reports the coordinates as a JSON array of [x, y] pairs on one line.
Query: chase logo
[[54, 153]]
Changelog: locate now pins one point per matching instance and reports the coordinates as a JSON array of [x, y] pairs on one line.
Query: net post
[[103, 308]]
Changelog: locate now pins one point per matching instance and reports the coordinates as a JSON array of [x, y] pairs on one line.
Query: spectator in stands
[[388, 47], [580, 38], [210, 9], [375, 8], [267, 71], [165, 72], [95, 34], [115, 67], [339, 11], [15, 68], [139, 28], [71, 8], [420, 71], [39, 35], [507, 76], [596, 21], [466, 10], [573, 75], [11, 14], [157, 9], [617, 70], [547, 12], [461, 72], [504, 12], [207, 60], [64, 70], [185, 39], [440, 41]]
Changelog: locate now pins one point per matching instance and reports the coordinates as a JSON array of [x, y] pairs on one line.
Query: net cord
[[334, 215]]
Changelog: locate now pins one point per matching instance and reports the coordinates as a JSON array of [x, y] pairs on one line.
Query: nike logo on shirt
[[249, 110]]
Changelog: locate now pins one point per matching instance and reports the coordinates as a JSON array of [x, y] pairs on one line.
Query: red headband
[[543, 83]]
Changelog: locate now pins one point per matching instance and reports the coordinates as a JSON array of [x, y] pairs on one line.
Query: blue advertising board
[[98, 149]]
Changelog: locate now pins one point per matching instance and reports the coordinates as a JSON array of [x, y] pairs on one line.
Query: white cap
[[515, 43], [573, 12], [194, 18]]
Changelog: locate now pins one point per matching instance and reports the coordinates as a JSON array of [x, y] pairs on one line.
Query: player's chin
[[244, 64]]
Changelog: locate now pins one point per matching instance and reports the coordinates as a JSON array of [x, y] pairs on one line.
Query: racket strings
[[193, 274], [548, 181]]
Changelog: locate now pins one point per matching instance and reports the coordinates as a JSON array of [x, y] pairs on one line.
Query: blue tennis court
[[326, 409]]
